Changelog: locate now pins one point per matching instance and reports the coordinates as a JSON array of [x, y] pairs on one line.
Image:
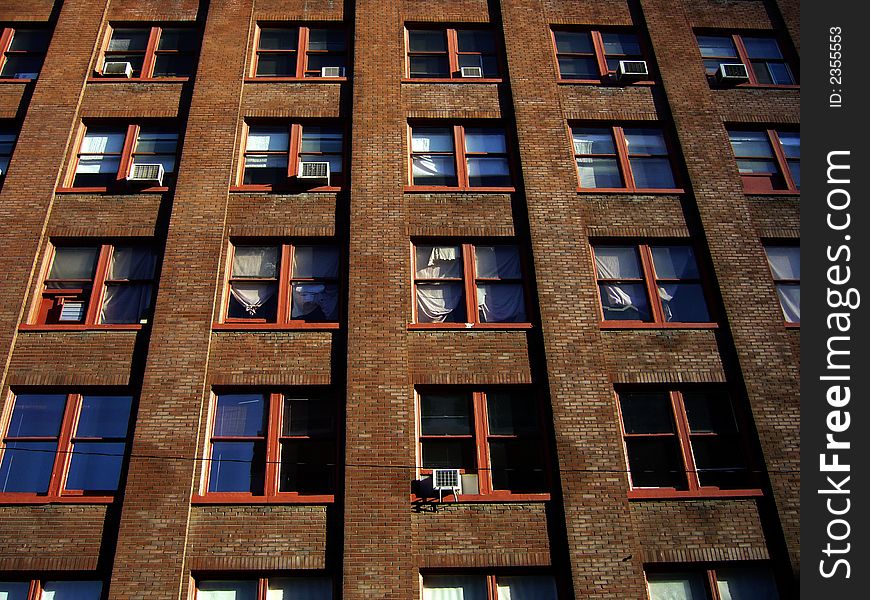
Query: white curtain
[[746, 583], [674, 262], [619, 262], [315, 261], [666, 298], [226, 590], [125, 303], [268, 138], [132, 262], [530, 587], [252, 295], [71, 590], [103, 142], [300, 588], [790, 300], [435, 301], [255, 261], [453, 587], [436, 262], [308, 297], [501, 303], [676, 586], [497, 261], [785, 261], [14, 591]]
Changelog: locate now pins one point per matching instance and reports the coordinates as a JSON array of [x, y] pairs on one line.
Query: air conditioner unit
[[631, 69], [332, 71], [732, 73], [446, 479], [124, 69], [314, 170], [147, 173], [471, 71], [71, 311]]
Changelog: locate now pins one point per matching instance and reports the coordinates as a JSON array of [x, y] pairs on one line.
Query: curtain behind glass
[[454, 587], [73, 263], [308, 297], [437, 301], [785, 261], [501, 303], [676, 586], [315, 262], [437, 262], [71, 590], [502, 262], [255, 261], [226, 590], [128, 303], [538, 587]]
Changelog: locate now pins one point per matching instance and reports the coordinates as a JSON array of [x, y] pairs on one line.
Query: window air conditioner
[[471, 71], [118, 68], [631, 69], [71, 311], [332, 71], [147, 173], [314, 170], [732, 73], [446, 479]]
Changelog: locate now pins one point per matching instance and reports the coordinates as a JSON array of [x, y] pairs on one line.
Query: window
[[460, 157], [468, 284], [8, 135], [299, 52], [768, 160], [51, 590], [495, 437], [108, 152], [785, 266], [636, 158], [23, 51], [273, 588], [761, 55], [683, 440], [272, 446], [153, 52], [480, 586], [593, 56], [108, 284], [646, 283], [294, 284], [439, 53], [45, 429], [275, 151], [735, 581]]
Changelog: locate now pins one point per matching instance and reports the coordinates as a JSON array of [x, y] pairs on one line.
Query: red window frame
[[120, 184], [50, 301], [272, 439], [460, 156], [481, 438], [623, 157], [684, 436], [66, 439], [650, 281], [452, 53], [6, 35], [149, 55], [469, 281], [743, 57], [36, 586], [768, 184], [302, 52], [600, 55], [262, 580], [293, 153], [284, 280], [707, 572], [491, 578]]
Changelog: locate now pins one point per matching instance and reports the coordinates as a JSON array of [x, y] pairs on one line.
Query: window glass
[[574, 42], [791, 144], [237, 467], [676, 586], [717, 46], [439, 262], [326, 39], [128, 40], [475, 40], [620, 43], [315, 262], [511, 413], [37, 415], [299, 588], [497, 262], [784, 261], [176, 39], [268, 138], [426, 40], [14, 590], [745, 583], [761, 47], [617, 262], [451, 587], [539, 587], [226, 590], [240, 415], [750, 143], [485, 139], [255, 261], [29, 40], [73, 263], [71, 590], [646, 413], [674, 262], [306, 417], [572, 67], [442, 414], [432, 139], [275, 38], [104, 416]]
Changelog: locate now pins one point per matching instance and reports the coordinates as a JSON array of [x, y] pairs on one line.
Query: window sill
[[501, 497], [13, 80], [81, 327], [789, 325], [755, 86], [103, 190], [606, 84], [422, 189], [270, 189], [275, 326], [629, 191], [453, 80], [672, 494], [295, 79], [795, 193], [227, 499], [11, 498], [467, 326], [138, 79], [645, 325]]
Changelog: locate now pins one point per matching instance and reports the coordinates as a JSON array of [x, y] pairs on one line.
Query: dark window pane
[[757, 167], [265, 169], [326, 39], [177, 39], [429, 66], [624, 302], [711, 66], [307, 466], [646, 413], [173, 65], [430, 169], [794, 168], [674, 262], [442, 414], [475, 40], [791, 143], [599, 173], [761, 47], [129, 40], [240, 415], [578, 68], [276, 65], [762, 73], [488, 172], [156, 141], [237, 467], [37, 415], [591, 140], [709, 412], [321, 139], [314, 262], [655, 462], [574, 42], [683, 303], [72, 590], [746, 583], [780, 73], [278, 39], [621, 43], [318, 61], [95, 466], [29, 40], [314, 302], [21, 67], [440, 303], [501, 303], [26, 466], [719, 461], [126, 303], [517, 465], [511, 413], [14, 590], [652, 173], [423, 40], [485, 139], [716, 45], [307, 416], [449, 454], [104, 416], [97, 171]]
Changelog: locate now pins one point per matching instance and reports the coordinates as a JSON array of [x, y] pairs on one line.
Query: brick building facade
[[295, 354]]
